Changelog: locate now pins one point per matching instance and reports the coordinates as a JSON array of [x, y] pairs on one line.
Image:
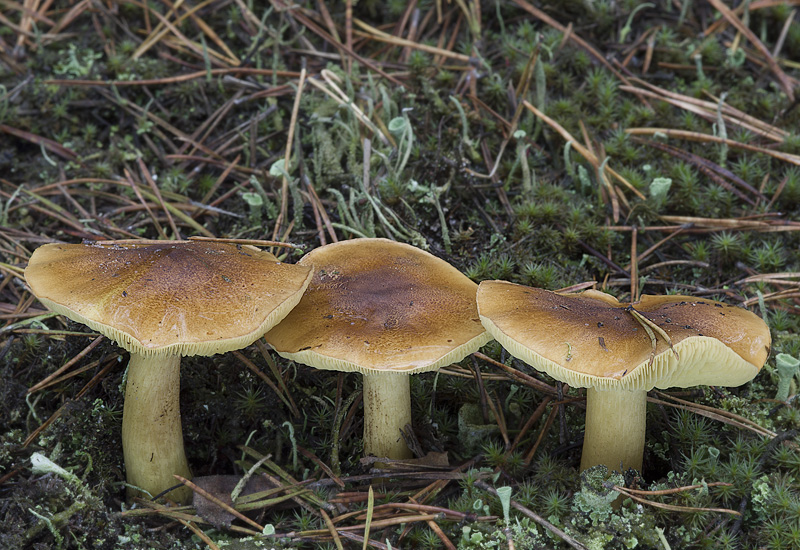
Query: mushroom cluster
[[386, 310], [161, 300], [620, 351]]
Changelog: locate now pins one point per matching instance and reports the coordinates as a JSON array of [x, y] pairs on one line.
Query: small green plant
[[727, 245], [541, 275], [659, 188], [554, 502], [40, 464], [251, 402], [769, 256], [256, 205], [787, 368], [76, 63]]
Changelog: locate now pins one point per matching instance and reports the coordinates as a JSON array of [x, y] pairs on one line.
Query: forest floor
[[635, 148]]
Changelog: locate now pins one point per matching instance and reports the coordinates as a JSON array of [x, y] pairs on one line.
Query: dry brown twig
[[786, 83], [720, 415], [708, 109], [287, 157], [707, 138], [671, 507]]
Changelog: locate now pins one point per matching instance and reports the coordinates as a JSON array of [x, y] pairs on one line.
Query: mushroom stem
[[615, 429], [152, 438], [387, 409]]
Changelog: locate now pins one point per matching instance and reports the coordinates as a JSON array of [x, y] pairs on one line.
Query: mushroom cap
[[380, 305], [168, 297], [590, 339]]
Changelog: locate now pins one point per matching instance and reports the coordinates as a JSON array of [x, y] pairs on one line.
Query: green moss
[[553, 237]]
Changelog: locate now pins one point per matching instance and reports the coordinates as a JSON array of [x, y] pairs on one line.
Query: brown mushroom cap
[[168, 297], [380, 305], [592, 340]]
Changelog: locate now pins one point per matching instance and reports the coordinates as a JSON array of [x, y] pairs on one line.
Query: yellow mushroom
[[620, 351], [386, 310], [161, 300]]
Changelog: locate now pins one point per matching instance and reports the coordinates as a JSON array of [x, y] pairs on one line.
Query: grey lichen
[[596, 496]]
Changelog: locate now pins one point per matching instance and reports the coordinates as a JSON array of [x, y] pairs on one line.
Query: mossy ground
[[79, 160]]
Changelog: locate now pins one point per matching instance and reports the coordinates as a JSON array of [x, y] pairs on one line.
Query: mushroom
[[161, 300], [386, 310], [620, 351]]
